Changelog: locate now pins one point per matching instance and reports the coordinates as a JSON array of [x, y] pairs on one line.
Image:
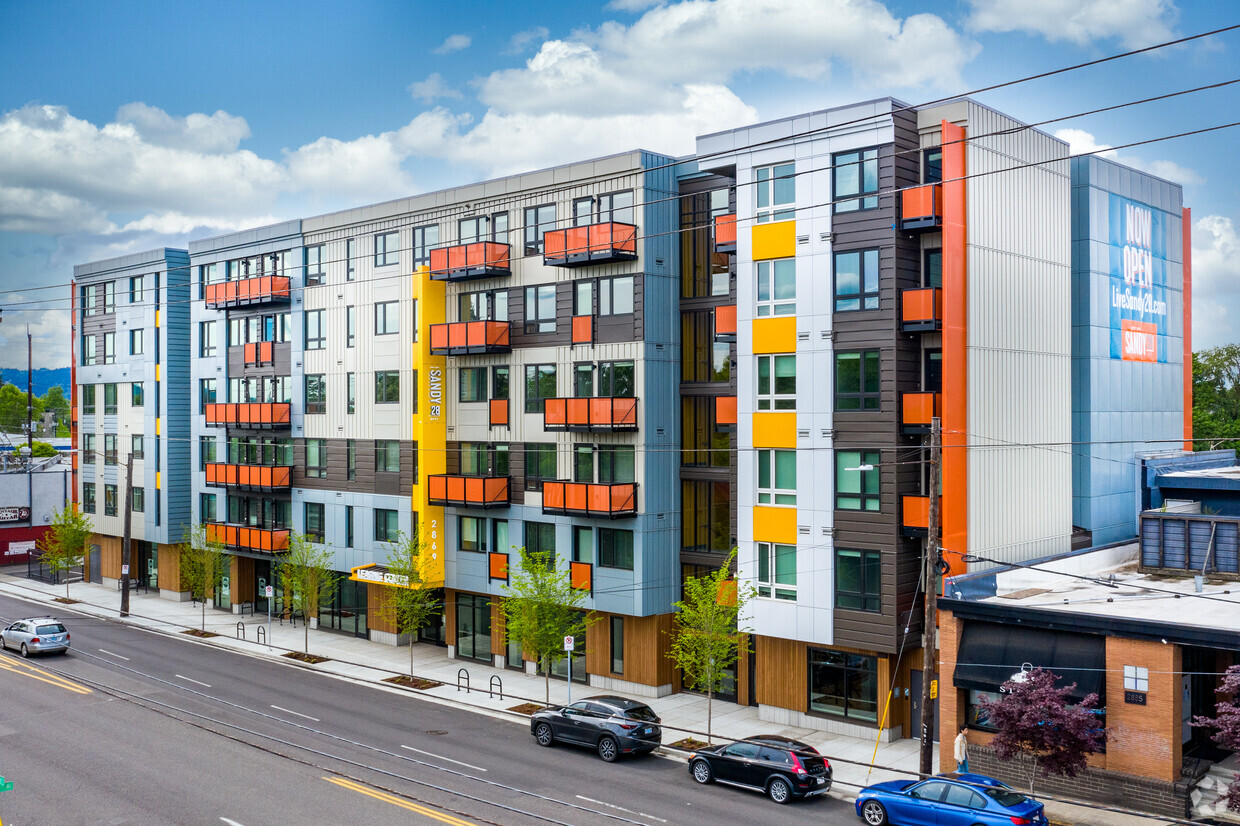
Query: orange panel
[[624, 412], [439, 336], [576, 496], [438, 488], [921, 202], [955, 350], [623, 498], [921, 304], [916, 510], [727, 593], [601, 411], [725, 410], [725, 320], [456, 489], [553, 495], [554, 412], [497, 565], [578, 411], [554, 242], [583, 329], [725, 229], [499, 411], [439, 260], [497, 489], [458, 335], [920, 408], [598, 498], [580, 574]]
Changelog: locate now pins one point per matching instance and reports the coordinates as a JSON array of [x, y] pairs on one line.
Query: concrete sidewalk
[[856, 762]]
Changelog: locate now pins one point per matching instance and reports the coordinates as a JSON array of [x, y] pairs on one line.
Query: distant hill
[[44, 378]]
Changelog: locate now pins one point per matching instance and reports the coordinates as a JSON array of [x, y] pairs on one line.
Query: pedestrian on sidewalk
[[962, 749]]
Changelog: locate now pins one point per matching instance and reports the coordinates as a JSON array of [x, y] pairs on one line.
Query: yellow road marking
[[28, 670], [396, 801]]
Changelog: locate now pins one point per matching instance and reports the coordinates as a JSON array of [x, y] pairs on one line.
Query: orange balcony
[[583, 329], [725, 233], [482, 259], [921, 309], [497, 566], [468, 491], [581, 575], [498, 409], [259, 353], [592, 244], [916, 515], [246, 292], [725, 322], [582, 499], [917, 409], [461, 338], [608, 415], [922, 207], [260, 415], [252, 477], [725, 411], [240, 537]]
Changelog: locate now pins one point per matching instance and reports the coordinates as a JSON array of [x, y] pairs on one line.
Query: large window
[[387, 386], [316, 393], [701, 357], [777, 382], [616, 464], [473, 533], [206, 451], [88, 399], [206, 393], [703, 270], [314, 265], [138, 499], [855, 174], [843, 685], [540, 309], [387, 249], [206, 339], [486, 305], [932, 165], [777, 477], [615, 295], [136, 342], [540, 464], [137, 447], [777, 571], [583, 544], [775, 192], [109, 400], [387, 318], [706, 524], [856, 280], [109, 448], [206, 506], [473, 384], [932, 268], [109, 500], [316, 331], [316, 458], [616, 379], [702, 445], [539, 386], [423, 239], [137, 285], [615, 549], [314, 521], [777, 287], [540, 539], [538, 220], [858, 580], [387, 525], [857, 480], [387, 456], [88, 448], [857, 385], [88, 497], [136, 396], [616, 206]]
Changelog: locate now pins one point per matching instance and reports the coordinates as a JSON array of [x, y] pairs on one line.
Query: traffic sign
[[269, 591], [569, 642], [124, 570]]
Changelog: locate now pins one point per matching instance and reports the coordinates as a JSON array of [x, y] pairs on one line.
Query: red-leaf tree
[[1226, 725], [1036, 719]]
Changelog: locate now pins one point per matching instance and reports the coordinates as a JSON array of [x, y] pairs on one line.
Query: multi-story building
[[131, 384]]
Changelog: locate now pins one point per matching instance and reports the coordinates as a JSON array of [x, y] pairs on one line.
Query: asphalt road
[[138, 727]]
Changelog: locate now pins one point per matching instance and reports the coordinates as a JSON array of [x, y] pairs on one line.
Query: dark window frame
[[869, 565], [315, 393], [386, 381], [610, 556], [869, 488], [535, 323], [860, 399], [864, 198], [387, 253], [535, 377], [868, 283]]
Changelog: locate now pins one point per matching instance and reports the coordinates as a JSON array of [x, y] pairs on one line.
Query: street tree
[[64, 545], [1036, 719], [1226, 725], [306, 577], [707, 637], [1216, 396], [54, 401], [203, 563], [409, 597], [541, 608], [42, 450]]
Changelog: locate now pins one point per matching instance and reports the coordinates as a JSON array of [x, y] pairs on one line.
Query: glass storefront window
[[843, 685], [473, 627]]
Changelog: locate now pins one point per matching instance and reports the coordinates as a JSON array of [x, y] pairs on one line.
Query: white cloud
[[49, 344], [453, 43], [1216, 281], [522, 39], [1082, 142], [211, 134], [431, 88], [1134, 23], [632, 5], [367, 168]]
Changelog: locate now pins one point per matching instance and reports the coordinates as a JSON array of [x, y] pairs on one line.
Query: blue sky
[[127, 126]]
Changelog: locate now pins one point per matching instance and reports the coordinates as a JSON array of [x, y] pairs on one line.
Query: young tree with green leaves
[[541, 609], [1216, 397], [409, 602], [708, 637], [64, 545], [307, 578], [203, 563]]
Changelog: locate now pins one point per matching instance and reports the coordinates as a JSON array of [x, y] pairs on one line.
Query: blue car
[[948, 800]]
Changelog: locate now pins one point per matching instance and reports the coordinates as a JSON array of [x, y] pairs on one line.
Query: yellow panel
[[775, 335], [430, 424], [158, 480], [156, 318], [775, 429], [778, 240], [157, 422], [157, 372], [775, 525]]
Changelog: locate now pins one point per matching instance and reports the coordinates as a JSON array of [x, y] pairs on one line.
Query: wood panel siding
[[378, 617], [170, 568], [110, 553], [449, 617], [782, 676], [242, 585], [646, 640], [598, 644]]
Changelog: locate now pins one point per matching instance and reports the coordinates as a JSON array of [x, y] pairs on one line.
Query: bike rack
[[260, 636], [496, 684], [462, 674], [240, 630]]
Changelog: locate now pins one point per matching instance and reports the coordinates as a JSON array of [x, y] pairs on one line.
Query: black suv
[[779, 766], [612, 725]]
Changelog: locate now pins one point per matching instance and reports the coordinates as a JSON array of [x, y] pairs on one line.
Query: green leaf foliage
[[203, 563], [541, 608], [1216, 397], [307, 578], [409, 603], [64, 544]]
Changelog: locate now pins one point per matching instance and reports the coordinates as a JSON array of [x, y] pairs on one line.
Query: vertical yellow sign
[[430, 422]]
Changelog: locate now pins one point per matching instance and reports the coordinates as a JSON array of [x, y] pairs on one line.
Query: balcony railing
[[258, 353], [917, 411], [725, 233], [262, 289], [583, 329], [582, 499], [260, 415], [481, 259], [921, 309], [241, 537], [725, 322], [498, 411], [725, 411], [497, 566], [468, 491], [460, 338], [251, 477], [581, 575], [921, 207], [916, 515], [608, 415], [593, 244]]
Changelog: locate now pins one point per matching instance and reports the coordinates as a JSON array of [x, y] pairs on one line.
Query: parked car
[[777, 766], [611, 725], [37, 635], [947, 800]]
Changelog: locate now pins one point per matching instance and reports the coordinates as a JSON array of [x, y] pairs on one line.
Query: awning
[[990, 654]]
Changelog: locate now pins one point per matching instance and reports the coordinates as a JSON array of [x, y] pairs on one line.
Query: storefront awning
[[990, 654]]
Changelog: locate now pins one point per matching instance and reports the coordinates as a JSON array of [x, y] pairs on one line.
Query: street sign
[[569, 642], [124, 570], [6, 785], [269, 591], [934, 689]]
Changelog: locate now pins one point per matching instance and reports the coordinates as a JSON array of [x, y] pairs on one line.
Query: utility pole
[[126, 555], [29, 396], [931, 576]]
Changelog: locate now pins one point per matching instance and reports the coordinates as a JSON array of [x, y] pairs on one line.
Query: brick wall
[[1144, 739]]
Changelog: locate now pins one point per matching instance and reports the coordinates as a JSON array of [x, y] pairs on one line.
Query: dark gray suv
[[611, 725]]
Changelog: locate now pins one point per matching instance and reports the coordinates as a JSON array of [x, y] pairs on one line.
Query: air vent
[[660, 431], [824, 236], [658, 261], [662, 516], [803, 336], [826, 531], [803, 530], [803, 434], [828, 335], [802, 239], [827, 433], [658, 348]]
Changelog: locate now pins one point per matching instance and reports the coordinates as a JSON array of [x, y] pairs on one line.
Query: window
[[206, 393], [615, 295], [423, 239], [350, 259], [777, 382], [616, 464], [499, 382], [88, 300], [857, 380], [88, 448], [539, 386], [473, 532], [583, 380], [1136, 678], [136, 342], [109, 400], [932, 165], [350, 452], [387, 387], [858, 580], [109, 500], [615, 549], [387, 318], [315, 273], [136, 395], [316, 458], [540, 309], [350, 326], [777, 571], [777, 477], [109, 448], [471, 230], [316, 393], [856, 489], [706, 524], [488, 305], [206, 339], [387, 525], [855, 174], [617, 645], [499, 535], [856, 280], [932, 269], [350, 382], [206, 451], [775, 192], [540, 539], [387, 249], [483, 459], [109, 297], [136, 288], [109, 348], [314, 521], [137, 447], [206, 507], [538, 220], [583, 211], [137, 500], [88, 497], [89, 352], [616, 206], [583, 544], [387, 456], [777, 287], [843, 685], [316, 331], [88, 399], [583, 463], [540, 464], [499, 227], [348, 526], [473, 384]]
